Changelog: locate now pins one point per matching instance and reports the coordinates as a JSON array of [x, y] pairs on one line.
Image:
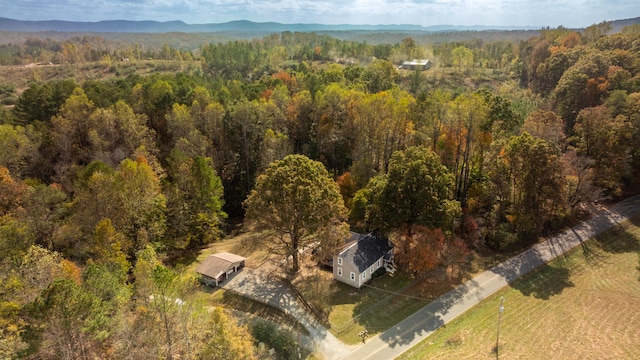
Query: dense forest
[[103, 182]]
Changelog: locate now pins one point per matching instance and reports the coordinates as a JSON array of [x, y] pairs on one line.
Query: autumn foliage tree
[[546, 125], [296, 199], [130, 196], [101, 176], [607, 141], [194, 203], [73, 318], [417, 189], [527, 176], [582, 85], [419, 249]]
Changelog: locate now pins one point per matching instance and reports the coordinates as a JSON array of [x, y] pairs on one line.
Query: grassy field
[[582, 306], [21, 76]]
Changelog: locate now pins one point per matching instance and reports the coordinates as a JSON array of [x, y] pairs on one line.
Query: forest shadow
[[208, 289], [620, 239], [405, 332], [544, 282], [428, 318], [184, 257], [591, 255], [520, 265]]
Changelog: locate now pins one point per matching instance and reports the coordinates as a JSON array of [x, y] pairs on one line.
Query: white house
[[361, 257]]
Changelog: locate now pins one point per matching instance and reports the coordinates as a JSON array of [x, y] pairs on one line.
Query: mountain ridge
[[150, 26]]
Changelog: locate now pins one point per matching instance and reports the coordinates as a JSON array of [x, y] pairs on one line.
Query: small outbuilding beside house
[[218, 267], [415, 63]]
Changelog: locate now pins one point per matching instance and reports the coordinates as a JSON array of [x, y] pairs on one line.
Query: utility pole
[[499, 316]]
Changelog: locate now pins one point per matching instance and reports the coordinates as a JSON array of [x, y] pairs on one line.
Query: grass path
[[584, 305]]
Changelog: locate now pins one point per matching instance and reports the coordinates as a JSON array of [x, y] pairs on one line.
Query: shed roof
[[217, 264], [417, 62], [229, 257], [365, 250]]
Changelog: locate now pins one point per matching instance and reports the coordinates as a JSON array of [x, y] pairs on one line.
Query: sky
[[568, 13]]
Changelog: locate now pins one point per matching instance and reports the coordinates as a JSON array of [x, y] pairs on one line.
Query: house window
[[339, 261], [371, 270], [364, 275], [352, 275], [339, 271], [378, 263]]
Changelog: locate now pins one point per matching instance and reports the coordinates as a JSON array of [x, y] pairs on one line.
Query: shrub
[[379, 273], [282, 341], [502, 237], [454, 340]]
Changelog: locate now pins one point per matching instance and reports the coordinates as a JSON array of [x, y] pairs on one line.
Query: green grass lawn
[[353, 310], [374, 307], [585, 305]]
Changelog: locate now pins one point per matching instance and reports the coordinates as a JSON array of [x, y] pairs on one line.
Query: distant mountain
[[101, 26], [619, 24], [126, 26], [236, 26]]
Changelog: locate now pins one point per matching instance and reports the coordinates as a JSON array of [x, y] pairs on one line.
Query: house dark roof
[[365, 250], [217, 264]]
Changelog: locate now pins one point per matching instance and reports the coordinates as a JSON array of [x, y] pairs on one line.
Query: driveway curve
[[269, 289]]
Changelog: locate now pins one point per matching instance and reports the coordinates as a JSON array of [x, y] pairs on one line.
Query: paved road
[[259, 285], [423, 323]]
